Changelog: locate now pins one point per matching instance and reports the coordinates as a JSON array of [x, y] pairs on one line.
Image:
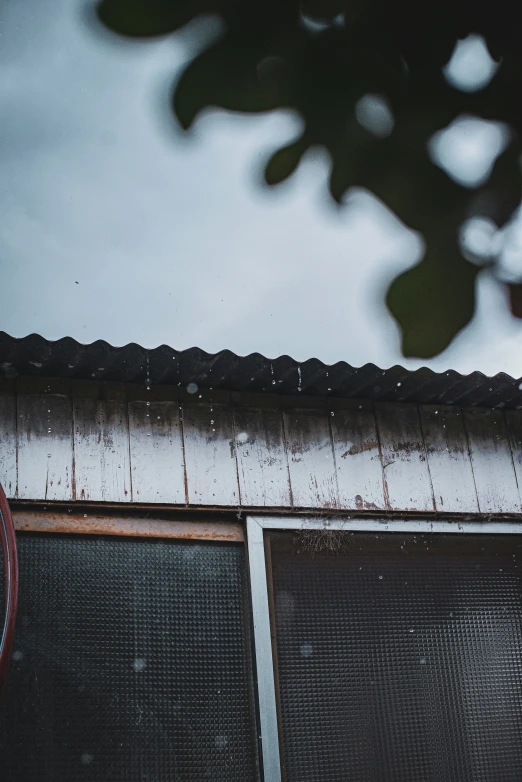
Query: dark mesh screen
[[130, 663], [400, 658]]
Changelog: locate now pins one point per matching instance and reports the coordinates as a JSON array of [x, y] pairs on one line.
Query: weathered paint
[[261, 458], [45, 448], [358, 458], [492, 461], [210, 455], [364, 457], [156, 452], [311, 460], [95, 524], [514, 427], [448, 459], [407, 483], [8, 452], [101, 450]]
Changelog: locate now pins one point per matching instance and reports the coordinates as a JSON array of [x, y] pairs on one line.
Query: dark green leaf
[[146, 18], [284, 162], [433, 301], [225, 76], [515, 299]]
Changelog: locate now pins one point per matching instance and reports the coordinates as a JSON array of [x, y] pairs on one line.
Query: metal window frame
[[255, 526]]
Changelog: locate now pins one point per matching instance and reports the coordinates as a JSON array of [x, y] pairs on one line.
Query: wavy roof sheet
[[34, 355]]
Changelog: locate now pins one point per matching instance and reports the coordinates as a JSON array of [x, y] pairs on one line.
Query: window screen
[[131, 662], [399, 657]]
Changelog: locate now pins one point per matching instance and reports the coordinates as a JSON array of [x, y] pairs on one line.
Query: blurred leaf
[[322, 10], [284, 162], [146, 18], [515, 299], [268, 59], [500, 196], [433, 301], [225, 76]]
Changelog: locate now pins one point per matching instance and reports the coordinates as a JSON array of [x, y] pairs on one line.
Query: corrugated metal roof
[[34, 355]]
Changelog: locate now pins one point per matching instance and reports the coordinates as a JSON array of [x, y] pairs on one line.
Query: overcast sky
[[116, 226]]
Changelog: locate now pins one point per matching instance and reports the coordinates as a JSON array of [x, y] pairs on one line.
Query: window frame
[[264, 662]]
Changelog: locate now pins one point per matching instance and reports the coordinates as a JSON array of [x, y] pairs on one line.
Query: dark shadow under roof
[[36, 356]]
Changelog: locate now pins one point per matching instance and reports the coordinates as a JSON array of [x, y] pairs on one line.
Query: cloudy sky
[[116, 226]]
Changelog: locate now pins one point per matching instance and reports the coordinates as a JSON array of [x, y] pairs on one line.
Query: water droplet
[[306, 650], [87, 758], [139, 664], [18, 655], [49, 430], [221, 742], [332, 413], [211, 423], [411, 630], [399, 385], [148, 404], [192, 388], [380, 578], [422, 661]]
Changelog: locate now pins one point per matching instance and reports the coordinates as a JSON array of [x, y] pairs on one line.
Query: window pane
[[130, 663], [399, 657]]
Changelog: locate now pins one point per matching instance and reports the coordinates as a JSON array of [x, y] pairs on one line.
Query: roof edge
[[34, 355]]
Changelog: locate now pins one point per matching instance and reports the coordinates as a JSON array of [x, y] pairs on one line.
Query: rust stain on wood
[[356, 448], [93, 524]]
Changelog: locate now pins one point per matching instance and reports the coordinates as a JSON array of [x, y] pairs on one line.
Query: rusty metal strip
[[94, 524], [10, 557]]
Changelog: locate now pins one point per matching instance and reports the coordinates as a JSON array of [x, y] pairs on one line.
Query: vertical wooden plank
[[311, 463], [101, 449], [45, 449], [210, 455], [8, 468], [514, 428], [492, 462], [358, 458], [407, 483], [448, 459], [156, 452], [261, 458]]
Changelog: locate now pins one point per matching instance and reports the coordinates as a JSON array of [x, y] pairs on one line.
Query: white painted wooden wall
[[368, 457]]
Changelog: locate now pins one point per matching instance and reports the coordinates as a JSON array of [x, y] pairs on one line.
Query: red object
[[10, 555]]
